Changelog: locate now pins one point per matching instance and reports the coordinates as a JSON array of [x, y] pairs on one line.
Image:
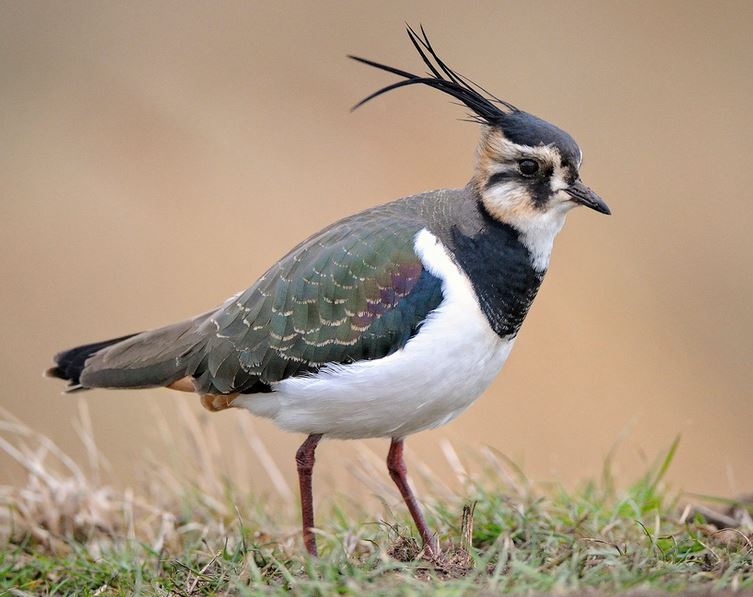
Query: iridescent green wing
[[355, 291]]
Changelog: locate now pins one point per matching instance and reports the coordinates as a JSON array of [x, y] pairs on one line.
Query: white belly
[[438, 374]]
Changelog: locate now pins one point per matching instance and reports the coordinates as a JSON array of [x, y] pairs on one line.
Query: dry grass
[[69, 530]]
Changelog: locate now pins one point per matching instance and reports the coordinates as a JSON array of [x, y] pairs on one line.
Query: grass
[[67, 531]]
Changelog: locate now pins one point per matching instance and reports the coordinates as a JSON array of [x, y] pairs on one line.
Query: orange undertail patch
[[212, 402], [215, 402], [184, 384]]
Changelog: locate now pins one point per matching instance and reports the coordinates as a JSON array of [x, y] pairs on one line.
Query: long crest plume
[[487, 108]]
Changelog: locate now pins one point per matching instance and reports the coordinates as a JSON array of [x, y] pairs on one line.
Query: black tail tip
[[59, 373], [69, 364], [56, 372]]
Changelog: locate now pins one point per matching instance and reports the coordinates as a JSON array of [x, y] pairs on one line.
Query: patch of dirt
[[454, 561], [404, 549]]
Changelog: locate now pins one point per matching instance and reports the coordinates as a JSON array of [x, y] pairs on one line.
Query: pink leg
[[399, 473], [304, 459]]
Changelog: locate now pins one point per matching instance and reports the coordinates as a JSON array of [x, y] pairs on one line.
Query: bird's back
[[354, 291]]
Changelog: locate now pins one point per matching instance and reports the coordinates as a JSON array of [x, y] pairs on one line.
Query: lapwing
[[387, 322]]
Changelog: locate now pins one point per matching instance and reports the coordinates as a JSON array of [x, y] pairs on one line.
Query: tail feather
[[70, 363], [147, 359]]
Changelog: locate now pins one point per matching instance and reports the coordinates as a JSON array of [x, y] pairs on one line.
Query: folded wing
[[354, 291]]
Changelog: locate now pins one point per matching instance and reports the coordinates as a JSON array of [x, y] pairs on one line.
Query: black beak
[[585, 196]]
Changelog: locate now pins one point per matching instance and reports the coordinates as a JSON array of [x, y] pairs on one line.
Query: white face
[[524, 184], [528, 187]]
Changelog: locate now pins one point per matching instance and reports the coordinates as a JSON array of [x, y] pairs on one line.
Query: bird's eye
[[528, 167]]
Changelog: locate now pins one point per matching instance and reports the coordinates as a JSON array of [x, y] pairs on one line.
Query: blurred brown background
[[158, 157]]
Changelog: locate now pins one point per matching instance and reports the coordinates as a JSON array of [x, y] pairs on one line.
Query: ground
[[66, 531]]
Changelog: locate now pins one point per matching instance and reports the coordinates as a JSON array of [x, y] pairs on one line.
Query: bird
[[388, 322]]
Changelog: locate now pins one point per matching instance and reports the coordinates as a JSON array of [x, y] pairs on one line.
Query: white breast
[[438, 374]]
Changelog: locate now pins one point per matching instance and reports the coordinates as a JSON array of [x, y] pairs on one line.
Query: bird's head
[[527, 170]]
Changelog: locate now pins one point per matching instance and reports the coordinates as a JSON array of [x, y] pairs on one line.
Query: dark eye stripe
[[499, 177]]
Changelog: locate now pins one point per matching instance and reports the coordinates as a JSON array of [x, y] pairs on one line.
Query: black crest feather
[[487, 108]]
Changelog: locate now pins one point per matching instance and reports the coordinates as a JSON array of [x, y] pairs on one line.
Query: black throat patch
[[500, 270]]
